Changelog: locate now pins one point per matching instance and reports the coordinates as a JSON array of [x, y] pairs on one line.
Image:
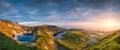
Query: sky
[[65, 13]]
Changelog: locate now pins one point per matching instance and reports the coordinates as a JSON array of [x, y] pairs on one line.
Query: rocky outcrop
[[44, 40], [10, 28]]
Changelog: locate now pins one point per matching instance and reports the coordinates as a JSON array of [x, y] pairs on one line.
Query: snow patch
[[30, 32]]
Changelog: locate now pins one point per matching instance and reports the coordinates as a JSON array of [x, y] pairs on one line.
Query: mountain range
[[49, 37]]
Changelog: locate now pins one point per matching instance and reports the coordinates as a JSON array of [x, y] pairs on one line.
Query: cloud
[[4, 4], [32, 12], [18, 16], [87, 25], [91, 22], [14, 11], [29, 23], [68, 4], [53, 15], [76, 12], [3, 15]]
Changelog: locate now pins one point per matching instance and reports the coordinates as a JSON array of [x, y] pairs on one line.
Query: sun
[[110, 23]]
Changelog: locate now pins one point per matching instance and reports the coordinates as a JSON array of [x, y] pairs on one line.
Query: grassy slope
[[111, 42], [8, 44], [44, 33], [74, 40], [45, 40]]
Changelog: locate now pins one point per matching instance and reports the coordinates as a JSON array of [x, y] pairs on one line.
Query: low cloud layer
[[29, 23]]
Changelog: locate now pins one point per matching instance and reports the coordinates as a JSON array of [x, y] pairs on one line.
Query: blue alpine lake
[[26, 38]]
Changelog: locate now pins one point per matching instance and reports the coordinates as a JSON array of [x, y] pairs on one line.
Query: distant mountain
[[51, 28]]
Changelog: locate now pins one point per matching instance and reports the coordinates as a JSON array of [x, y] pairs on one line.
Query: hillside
[[110, 42], [74, 39], [10, 28], [44, 34], [45, 38], [7, 43]]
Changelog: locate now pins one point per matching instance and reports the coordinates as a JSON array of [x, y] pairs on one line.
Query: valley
[[59, 24], [49, 37]]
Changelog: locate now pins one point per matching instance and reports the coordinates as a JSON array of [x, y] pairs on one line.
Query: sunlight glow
[[110, 23], [101, 25]]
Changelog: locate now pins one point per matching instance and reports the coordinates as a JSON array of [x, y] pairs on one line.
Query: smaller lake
[[60, 35], [92, 41], [26, 38]]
